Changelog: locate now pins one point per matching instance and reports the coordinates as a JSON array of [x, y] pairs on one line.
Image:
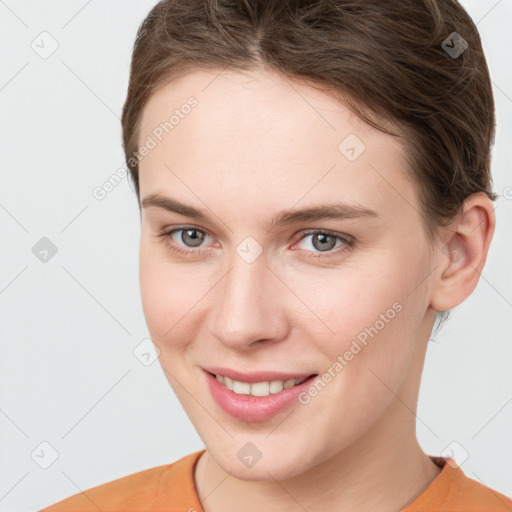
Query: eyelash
[[348, 242]]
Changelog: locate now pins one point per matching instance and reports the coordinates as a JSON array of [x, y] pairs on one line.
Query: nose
[[249, 306]]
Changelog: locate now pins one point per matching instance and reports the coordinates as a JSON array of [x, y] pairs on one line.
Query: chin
[[268, 470], [275, 466]]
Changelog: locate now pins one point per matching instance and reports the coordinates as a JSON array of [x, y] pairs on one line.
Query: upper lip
[[252, 377]]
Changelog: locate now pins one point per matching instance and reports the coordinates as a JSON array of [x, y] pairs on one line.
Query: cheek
[[367, 360], [369, 317], [347, 301], [168, 295]]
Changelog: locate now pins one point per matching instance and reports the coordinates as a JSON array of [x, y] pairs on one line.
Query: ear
[[462, 251]]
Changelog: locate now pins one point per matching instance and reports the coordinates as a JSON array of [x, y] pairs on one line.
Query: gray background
[[70, 325]]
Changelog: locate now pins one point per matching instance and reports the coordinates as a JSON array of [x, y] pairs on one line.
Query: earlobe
[[462, 252]]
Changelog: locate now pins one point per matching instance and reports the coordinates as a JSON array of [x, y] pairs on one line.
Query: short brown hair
[[385, 58]]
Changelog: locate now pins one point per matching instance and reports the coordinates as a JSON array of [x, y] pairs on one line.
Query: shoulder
[[138, 491], [476, 496], [454, 491]]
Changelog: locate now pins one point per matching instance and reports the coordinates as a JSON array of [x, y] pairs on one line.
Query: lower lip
[[254, 408]]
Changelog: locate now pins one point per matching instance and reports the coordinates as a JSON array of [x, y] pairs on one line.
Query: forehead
[[248, 132]]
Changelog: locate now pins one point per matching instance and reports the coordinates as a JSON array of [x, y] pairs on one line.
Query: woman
[[315, 193]]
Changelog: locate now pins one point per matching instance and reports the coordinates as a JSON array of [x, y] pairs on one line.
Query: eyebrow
[[286, 217]]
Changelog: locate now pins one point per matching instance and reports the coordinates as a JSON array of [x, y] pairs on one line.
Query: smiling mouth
[[263, 388]]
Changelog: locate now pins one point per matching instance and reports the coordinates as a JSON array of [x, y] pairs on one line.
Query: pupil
[[194, 239], [323, 237]]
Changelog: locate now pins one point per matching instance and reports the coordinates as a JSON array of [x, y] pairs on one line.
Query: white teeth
[[228, 383], [241, 388], [289, 383], [276, 386], [258, 388]]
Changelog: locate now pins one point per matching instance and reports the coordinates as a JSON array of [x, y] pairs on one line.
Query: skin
[[256, 144]]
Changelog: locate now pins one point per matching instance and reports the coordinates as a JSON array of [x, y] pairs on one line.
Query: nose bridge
[[245, 305]]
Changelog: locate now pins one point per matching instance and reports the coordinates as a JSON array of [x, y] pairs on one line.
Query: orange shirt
[[170, 488]]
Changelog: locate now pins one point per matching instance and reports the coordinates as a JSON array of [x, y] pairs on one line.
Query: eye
[[191, 236], [324, 242]]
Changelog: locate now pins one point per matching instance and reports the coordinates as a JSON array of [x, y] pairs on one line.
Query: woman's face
[[251, 287]]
